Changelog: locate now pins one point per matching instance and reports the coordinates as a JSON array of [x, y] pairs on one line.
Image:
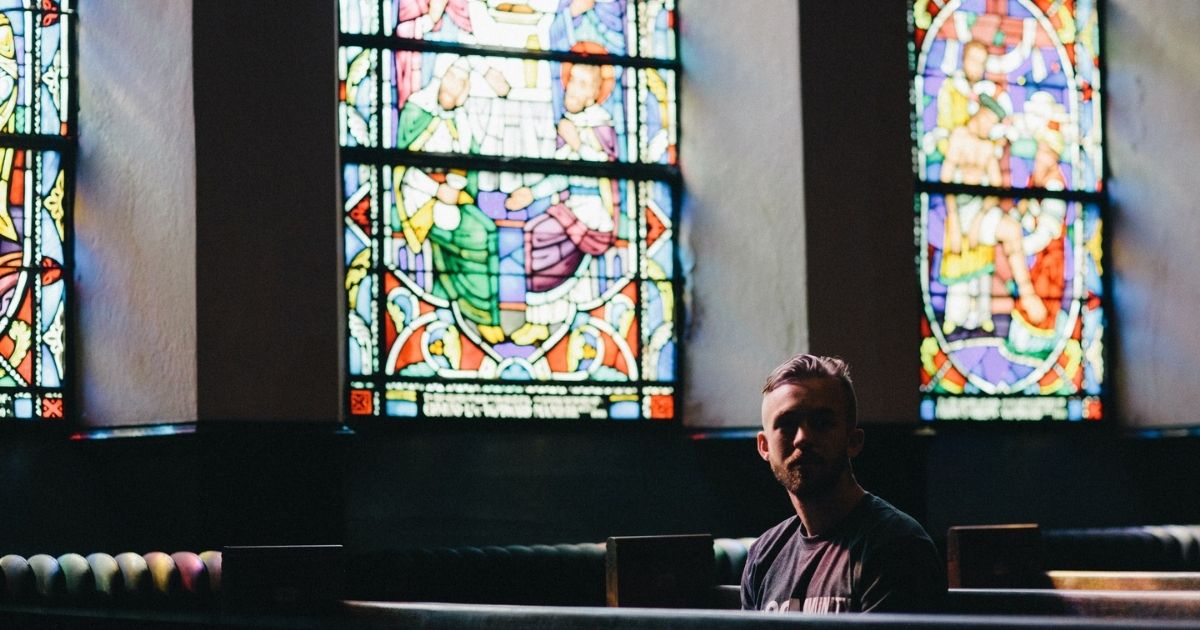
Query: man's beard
[[817, 478]]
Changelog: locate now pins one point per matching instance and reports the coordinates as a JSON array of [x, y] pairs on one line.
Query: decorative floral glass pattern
[[509, 201], [1009, 161], [36, 151]]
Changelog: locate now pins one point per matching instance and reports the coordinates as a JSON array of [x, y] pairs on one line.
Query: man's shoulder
[[773, 537], [883, 521], [762, 555], [784, 529], [899, 569]]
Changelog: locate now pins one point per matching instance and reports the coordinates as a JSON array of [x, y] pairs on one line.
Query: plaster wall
[[1153, 139], [743, 211], [135, 208]]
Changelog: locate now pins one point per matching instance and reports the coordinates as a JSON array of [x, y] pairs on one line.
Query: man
[[1044, 221], [845, 550], [975, 225], [957, 97], [442, 207], [560, 241]]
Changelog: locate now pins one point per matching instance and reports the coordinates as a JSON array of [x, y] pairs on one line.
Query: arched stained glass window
[[1010, 198], [510, 186], [37, 149]]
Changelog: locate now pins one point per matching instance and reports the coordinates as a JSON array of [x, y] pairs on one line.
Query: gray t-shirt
[[877, 559]]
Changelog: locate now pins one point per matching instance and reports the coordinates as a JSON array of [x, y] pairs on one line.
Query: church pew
[[1122, 605], [1140, 548], [1159, 557], [156, 579], [1124, 580], [369, 614], [1159, 605], [560, 574], [1016, 556], [660, 571], [183, 581]]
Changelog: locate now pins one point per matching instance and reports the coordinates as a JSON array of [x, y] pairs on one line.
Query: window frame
[[633, 171], [1098, 198]]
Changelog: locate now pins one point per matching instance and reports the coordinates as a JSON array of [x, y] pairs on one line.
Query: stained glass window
[[1010, 200], [37, 144], [510, 186]]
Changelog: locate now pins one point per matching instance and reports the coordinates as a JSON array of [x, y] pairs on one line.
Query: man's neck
[[822, 513]]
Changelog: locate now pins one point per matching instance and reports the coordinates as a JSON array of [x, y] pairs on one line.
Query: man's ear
[[857, 438], [763, 451]]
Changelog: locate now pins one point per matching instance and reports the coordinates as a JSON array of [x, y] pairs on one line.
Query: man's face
[[583, 87], [453, 90], [983, 122], [806, 437], [974, 62], [1045, 162]]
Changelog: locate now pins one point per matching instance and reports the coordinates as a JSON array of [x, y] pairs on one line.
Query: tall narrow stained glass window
[[510, 185], [1009, 200], [37, 151]]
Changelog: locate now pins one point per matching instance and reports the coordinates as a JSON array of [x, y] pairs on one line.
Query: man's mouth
[[807, 461]]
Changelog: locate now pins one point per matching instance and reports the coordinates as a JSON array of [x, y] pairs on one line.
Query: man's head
[[1045, 160], [974, 60], [583, 88], [455, 86], [810, 425], [586, 85], [989, 114]]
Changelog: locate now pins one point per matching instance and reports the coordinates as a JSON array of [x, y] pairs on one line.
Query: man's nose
[[800, 436]]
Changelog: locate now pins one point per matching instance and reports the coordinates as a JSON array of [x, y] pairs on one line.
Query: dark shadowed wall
[[267, 222]]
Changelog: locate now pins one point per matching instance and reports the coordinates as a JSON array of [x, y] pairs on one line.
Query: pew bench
[[1153, 558], [567, 578], [1123, 580], [367, 614], [1124, 605]]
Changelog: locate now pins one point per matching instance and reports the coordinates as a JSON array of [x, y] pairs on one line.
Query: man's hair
[[805, 366], [974, 43]]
